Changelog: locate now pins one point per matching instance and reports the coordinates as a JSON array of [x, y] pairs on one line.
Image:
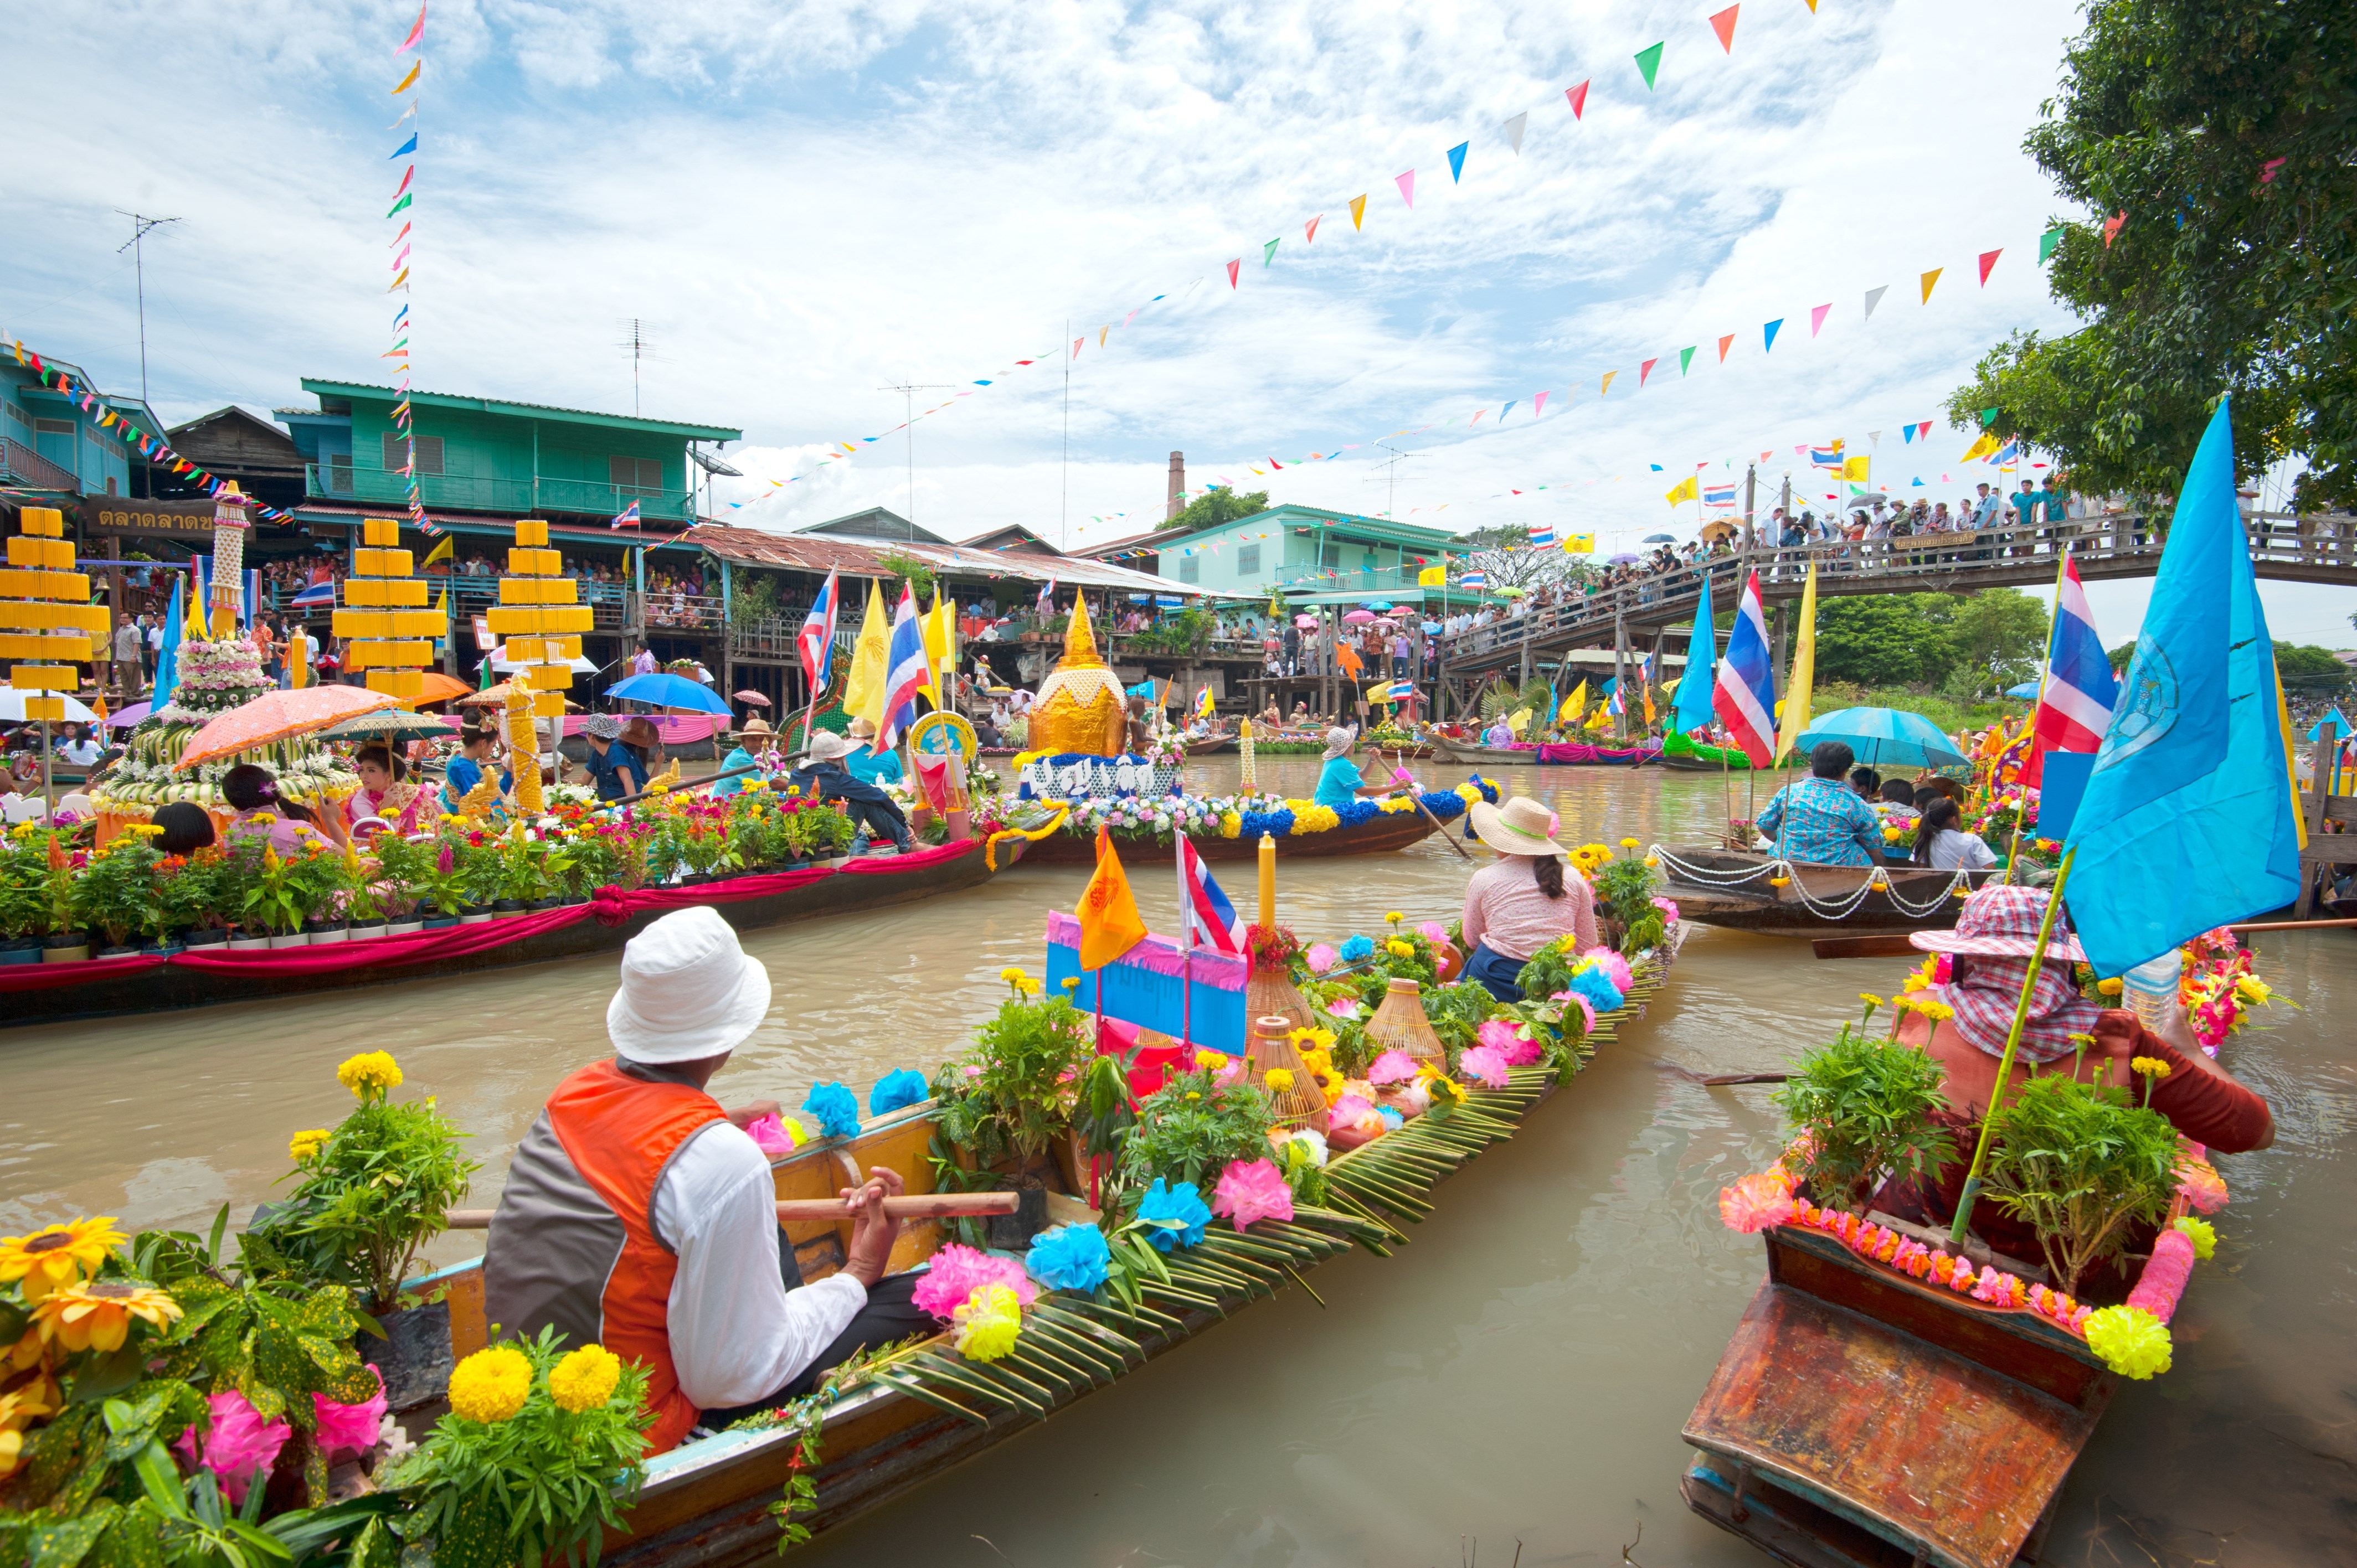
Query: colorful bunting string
[[401, 245]]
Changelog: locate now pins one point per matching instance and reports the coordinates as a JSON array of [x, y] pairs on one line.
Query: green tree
[[2311, 671], [2215, 134], [1879, 640], [1998, 637], [2120, 656], [1214, 507]]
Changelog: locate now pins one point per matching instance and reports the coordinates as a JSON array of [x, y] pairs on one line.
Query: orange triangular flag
[[1724, 343], [1988, 263], [1929, 279], [1313, 229], [1358, 209], [1110, 925], [1723, 24]]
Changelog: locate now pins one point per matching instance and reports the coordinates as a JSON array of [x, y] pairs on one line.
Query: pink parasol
[[280, 715], [1360, 617], [755, 698]]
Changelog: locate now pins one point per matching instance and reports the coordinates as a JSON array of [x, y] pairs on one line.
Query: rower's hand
[[746, 1116], [872, 1233]]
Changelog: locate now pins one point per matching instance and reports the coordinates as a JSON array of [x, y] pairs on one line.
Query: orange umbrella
[[436, 688], [280, 715]]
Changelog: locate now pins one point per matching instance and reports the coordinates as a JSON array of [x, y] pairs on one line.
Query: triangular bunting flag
[[1906, 433], [1456, 161], [1685, 358], [1269, 254], [2112, 225], [1607, 388], [1514, 131], [1723, 24], [1874, 436], [1649, 61], [1646, 370], [405, 148], [1988, 417], [1817, 318], [1311, 236], [1358, 209], [1103, 333], [1507, 410], [1724, 343], [1873, 299], [2047, 243], [1771, 330], [1538, 404], [1406, 183], [1579, 96], [1988, 261], [1076, 346], [1923, 431], [1232, 271], [404, 85], [1931, 280]]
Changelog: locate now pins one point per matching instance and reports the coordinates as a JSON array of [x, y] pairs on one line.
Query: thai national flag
[[1826, 456], [1205, 916], [1744, 694], [908, 673], [1474, 580], [318, 595], [1543, 535], [626, 517], [1719, 495], [816, 640], [2074, 705]]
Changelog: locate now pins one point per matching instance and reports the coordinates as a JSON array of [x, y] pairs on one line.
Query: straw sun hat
[[1518, 827], [2002, 923]]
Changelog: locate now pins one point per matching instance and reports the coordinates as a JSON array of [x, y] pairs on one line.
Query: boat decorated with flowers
[[1139, 1189], [1228, 827], [1748, 890], [1686, 754], [1546, 753]]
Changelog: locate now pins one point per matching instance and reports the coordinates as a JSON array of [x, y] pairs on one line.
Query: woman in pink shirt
[[1529, 898]]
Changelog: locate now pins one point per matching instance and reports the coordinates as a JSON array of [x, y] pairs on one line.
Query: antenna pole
[[908, 390], [139, 227]]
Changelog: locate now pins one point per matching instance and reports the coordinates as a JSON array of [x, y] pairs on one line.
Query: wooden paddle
[[1897, 946], [1399, 759], [932, 1206]]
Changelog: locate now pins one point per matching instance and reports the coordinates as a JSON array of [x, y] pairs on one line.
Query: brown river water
[[1517, 1377]]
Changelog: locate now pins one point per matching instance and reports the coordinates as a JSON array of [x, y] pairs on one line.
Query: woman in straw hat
[[863, 762], [2063, 1032], [1529, 898], [755, 744]]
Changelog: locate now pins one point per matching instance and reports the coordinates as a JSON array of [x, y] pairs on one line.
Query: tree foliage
[[1966, 644], [2217, 133], [1504, 555], [1214, 507]]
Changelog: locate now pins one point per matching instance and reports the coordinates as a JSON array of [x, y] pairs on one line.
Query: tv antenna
[[641, 347], [1391, 478], [908, 390], [140, 224]]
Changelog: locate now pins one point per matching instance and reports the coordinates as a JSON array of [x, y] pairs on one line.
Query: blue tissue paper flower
[[898, 1090], [1070, 1257], [1597, 987], [1177, 1215], [1446, 804], [1357, 948], [1350, 813], [1392, 1117], [836, 1108]]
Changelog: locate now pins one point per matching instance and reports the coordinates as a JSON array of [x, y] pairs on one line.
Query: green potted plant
[[1863, 1107], [114, 895], [2084, 1165], [190, 902], [323, 881], [398, 887], [1192, 1127], [482, 869], [1011, 1095], [241, 894], [25, 910], [276, 901]]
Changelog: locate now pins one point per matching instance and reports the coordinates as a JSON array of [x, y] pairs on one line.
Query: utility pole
[[139, 227], [1750, 503], [908, 390]]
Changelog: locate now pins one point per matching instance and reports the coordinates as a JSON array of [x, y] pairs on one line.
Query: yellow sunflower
[[87, 1316], [58, 1255]]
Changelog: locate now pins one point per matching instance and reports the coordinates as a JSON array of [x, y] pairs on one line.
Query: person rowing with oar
[[639, 1215]]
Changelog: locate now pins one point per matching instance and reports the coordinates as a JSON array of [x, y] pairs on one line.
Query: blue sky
[[808, 203]]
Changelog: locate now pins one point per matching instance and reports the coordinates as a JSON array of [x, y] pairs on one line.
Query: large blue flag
[[2188, 822], [1702, 654], [167, 652]]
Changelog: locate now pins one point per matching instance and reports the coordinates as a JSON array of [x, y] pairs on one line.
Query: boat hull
[[1915, 899], [1377, 835]]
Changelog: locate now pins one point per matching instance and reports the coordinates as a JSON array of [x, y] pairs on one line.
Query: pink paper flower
[[241, 1444], [1233, 1073], [1586, 1008], [770, 1134], [1352, 1111], [1486, 1063], [2202, 1186], [1391, 1067], [2163, 1281], [349, 1428], [958, 1272], [1342, 1007], [1669, 908], [1616, 968], [1513, 1041], [1434, 932], [1754, 1203], [1321, 957], [1249, 1192]]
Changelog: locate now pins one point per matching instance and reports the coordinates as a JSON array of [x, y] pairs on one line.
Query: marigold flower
[[56, 1255], [2130, 1341], [2150, 1067], [99, 1314], [2111, 987], [1398, 949], [372, 1074], [306, 1143], [491, 1384], [1280, 1080], [1210, 1061], [1780, 882], [585, 1380]]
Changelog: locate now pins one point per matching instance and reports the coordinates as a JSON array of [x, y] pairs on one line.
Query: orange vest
[[620, 1133]]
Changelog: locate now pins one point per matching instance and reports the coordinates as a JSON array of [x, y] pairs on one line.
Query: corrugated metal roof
[[830, 552]]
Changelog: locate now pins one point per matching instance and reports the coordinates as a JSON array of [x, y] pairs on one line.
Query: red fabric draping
[[609, 907], [1576, 752]]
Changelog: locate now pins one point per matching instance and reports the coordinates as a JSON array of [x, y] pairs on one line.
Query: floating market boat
[[1380, 834], [917, 1413], [1745, 891], [1448, 750], [196, 977], [1548, 754], [1693, 756]]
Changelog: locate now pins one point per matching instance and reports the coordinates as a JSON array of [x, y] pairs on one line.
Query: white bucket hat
[[688, 991]]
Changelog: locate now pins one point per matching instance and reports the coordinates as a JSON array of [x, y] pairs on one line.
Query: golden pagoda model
[[48, 620], [542, 619], [1081, 707], [384, 614]]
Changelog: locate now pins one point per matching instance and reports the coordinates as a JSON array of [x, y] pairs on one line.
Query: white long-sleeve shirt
[[738, 1335], [1954, 851]]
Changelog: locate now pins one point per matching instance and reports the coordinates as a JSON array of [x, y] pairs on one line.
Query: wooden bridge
[[2307, 549]]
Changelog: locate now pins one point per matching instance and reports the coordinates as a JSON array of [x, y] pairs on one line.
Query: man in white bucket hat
[[639, 1214]]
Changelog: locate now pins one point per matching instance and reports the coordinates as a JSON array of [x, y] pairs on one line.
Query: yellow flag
[[1519, 720], [1110, 925], [1856, 468], [1433, 577], [1683, 490], [2291, 763], [1575, 704], [863, 696], [1579, 544], [1931, 279], [1804, 670], [442, 551], [1357, 211], [941, 644], [1986, 444], [195, 623]]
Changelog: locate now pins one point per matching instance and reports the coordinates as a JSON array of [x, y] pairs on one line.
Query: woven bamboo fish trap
[[1400, 1024], [1299, 1105], [1269, 990]]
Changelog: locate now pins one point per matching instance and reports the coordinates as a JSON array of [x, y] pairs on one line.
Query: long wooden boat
[[1689, 757], [1735, 889], [199, 977], [1448, 750], [1379, 834], [1862, 1419], [1210, 747], [920, 1411]]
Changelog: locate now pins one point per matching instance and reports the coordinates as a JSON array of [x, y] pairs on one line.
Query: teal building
[[1310, 554]]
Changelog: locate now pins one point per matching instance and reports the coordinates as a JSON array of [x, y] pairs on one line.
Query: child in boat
[[1943, 846], [638, 1212], [1531, 898], [1989, 952]]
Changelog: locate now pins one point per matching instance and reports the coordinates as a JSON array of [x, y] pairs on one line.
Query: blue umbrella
[[1885, 734], [1376, 605], [668, 692], [2027, 688]]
